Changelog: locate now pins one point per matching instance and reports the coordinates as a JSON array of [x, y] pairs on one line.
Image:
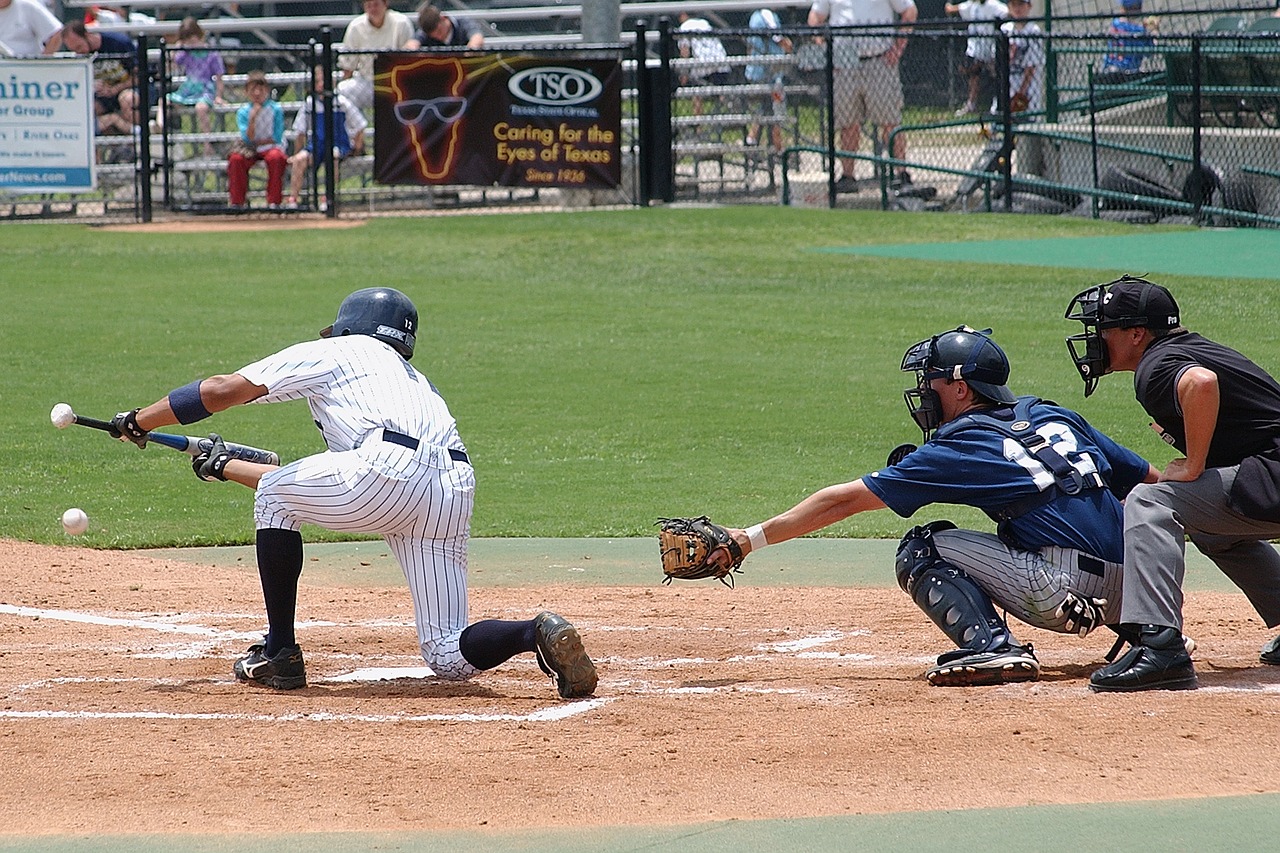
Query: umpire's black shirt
[[1249, 398]]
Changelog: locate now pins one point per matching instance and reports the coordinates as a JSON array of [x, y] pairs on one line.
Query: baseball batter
[[1051, 481], [395, 466], [1222, 412]]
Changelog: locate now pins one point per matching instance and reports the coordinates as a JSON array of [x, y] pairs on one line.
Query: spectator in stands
[[114, 96], [1026, 60], [379, 28], [115, 15], [1130, 38], [203, 69], [436, 29], [308, 142], [711, 60], [868, 87], [27, 28], [707, 51], [979, 63], [768, 42], [261, 123]]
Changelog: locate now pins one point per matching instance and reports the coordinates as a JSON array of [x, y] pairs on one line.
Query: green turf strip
[[1238, 253], [615, 562], [1238, 824]]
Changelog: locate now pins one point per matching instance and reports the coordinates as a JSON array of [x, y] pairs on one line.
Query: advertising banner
[[46, 125], [493, 119]]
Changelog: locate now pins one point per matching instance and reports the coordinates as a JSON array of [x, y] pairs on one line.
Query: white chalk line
[[542, 715], [800, 648]]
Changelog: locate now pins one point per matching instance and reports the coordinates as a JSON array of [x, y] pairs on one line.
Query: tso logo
[[555, 86]]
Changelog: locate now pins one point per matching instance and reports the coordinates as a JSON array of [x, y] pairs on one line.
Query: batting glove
[[1081, 613], [209, 465], [125, 426]]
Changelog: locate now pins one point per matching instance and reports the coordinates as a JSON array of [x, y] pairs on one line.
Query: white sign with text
[[46, 125]]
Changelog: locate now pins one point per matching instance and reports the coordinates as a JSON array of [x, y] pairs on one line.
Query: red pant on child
[[238, 166]]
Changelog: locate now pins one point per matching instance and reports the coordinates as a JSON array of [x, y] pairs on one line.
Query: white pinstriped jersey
[[354, 385], [419, 500]]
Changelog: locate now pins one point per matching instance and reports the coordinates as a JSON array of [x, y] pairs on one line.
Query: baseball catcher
[[1050, 481], [688, 543]]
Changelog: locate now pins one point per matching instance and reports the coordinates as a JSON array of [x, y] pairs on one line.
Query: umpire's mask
[[1123, 303], [1088, 350]]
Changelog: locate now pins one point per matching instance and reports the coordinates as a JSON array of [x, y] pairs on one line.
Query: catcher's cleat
[[561, 655], [285, 671], [1008, 664]]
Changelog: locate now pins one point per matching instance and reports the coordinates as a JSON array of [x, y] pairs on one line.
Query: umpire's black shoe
[[1158, 660], [285, 671], [1271, 652], [561, 655]]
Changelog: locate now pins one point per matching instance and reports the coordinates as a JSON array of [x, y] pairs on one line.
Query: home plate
[[384, 673]]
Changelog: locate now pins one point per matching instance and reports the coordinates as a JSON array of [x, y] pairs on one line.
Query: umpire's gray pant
[[1156, 517]]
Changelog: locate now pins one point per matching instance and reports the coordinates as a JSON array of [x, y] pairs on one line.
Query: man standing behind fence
[[868, 88], [379, 28]]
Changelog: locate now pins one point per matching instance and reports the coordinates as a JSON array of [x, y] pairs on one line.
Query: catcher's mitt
[[685, 544], [1019, 102]]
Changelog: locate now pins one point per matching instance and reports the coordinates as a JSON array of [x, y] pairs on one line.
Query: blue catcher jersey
[[970, 463]]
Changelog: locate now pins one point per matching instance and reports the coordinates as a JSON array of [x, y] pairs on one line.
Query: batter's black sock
[[279, 567], [492, 641]]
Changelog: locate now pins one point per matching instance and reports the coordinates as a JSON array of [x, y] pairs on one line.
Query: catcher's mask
[[964, 353], [380, 312], [1123, 303]]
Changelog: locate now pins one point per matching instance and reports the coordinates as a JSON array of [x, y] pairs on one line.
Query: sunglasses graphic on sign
[[446, 110], [433, 124]]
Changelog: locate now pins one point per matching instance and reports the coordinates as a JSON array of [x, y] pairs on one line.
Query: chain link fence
[[1058, 113], [1140, 128]]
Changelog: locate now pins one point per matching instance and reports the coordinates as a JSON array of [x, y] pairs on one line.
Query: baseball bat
[[188, 444]]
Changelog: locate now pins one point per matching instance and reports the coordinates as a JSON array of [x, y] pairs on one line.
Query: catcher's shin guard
[[948, 596]]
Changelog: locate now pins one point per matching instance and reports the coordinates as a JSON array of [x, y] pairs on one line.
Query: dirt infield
[[119, 712]]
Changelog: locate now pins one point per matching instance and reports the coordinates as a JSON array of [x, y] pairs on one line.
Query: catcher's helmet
[[1120, 304], [963, 353], [380, 312]]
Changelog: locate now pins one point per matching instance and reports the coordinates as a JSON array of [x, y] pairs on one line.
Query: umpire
[[1222, 412]]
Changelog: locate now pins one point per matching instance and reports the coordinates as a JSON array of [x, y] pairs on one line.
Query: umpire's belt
[[412, 443]]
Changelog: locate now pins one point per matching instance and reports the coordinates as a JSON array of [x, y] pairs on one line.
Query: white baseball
[[62, 416], [75, 522]]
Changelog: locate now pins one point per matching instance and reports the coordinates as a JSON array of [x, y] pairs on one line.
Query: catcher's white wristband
[[756, 534]]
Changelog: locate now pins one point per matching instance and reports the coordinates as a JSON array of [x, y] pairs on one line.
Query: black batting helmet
[[380, 312]]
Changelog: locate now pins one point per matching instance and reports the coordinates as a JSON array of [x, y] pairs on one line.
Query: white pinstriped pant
[[1029, 584], [422, 512]]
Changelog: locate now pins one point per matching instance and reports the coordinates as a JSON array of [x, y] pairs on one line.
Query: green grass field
[[605, 367]]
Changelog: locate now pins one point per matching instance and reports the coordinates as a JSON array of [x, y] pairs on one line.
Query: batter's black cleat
[[561, 655], [1008, 664], [1271, 652], [285, 671], [1158, 660]]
